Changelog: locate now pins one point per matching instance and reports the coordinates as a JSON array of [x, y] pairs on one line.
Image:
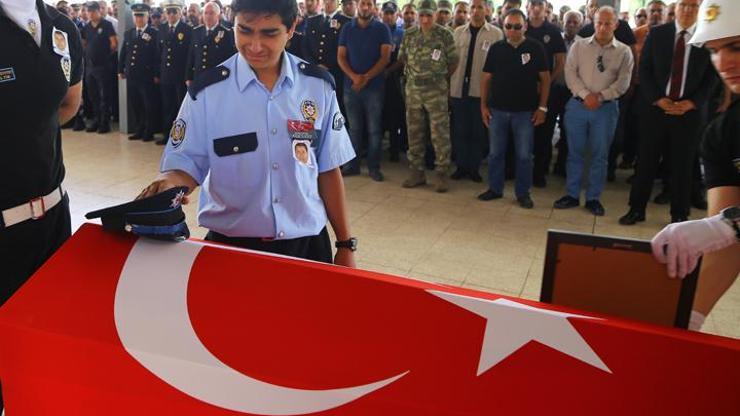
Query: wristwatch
[[350, 244], [731, 216], [543, 109]]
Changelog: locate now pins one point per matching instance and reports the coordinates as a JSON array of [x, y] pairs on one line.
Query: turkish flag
[[115, 325]]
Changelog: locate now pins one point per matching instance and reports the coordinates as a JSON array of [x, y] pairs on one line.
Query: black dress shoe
[[611, 176], [103, 129], [678, 219], [662, 198], [161, 142], [539, 182], [595, 207], [566, 202], [92, 129], [475, 177], [525, 202], [79, 124], [134, 137], [632, 218], [147, 139], [489, 195], [376, 175], [459, 174], [350, 171]]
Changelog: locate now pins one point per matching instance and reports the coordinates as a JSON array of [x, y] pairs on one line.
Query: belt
[[579, 99], [32, 210]]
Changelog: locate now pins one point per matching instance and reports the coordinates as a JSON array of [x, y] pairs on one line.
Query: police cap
[[718, 19], [140, 8], [389, 7], [160, 216], [172, 4]]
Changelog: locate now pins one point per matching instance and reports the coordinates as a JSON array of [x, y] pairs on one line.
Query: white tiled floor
[[449, 238]]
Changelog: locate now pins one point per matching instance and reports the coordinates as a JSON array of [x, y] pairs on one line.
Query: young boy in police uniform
[[40, 89], [235, 137]]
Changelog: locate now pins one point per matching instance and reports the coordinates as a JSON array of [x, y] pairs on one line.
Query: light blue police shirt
[[234, 140]]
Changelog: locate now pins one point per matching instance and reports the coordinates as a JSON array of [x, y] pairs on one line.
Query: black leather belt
[[579, 99]]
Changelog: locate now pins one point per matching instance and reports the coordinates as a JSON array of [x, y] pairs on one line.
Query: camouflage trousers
[[429, 101]]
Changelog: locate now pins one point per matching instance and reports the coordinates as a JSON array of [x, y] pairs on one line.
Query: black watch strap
[[350, 244], [731, 216]]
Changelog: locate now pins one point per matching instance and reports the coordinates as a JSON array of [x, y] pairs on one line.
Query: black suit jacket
[[656, 63], [321, 40], [174, 47], [139, 58], [208, 51]]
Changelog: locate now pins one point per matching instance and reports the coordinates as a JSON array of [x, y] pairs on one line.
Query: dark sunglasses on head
[[516, 26]]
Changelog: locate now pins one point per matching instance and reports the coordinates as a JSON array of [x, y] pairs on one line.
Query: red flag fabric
[[115, 325]]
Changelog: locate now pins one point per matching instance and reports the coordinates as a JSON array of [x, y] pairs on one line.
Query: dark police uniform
[[209, 49], [139, 61], [320, 45], [98, 70], [33, 83], [174, 44], [721, 149]]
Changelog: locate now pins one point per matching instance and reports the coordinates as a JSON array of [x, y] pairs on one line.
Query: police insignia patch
[[66, 67], [546, 38], [338, 122], [309, 110], [177, 200], [180, 36], [712, 13], [100, 30], [177, 133], [146, 37]]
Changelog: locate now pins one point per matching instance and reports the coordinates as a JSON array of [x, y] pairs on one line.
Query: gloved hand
[[681, 245]]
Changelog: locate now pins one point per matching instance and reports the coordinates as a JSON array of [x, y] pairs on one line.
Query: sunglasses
[[171, 11], [516, 26], [641, 16], [600, 63]]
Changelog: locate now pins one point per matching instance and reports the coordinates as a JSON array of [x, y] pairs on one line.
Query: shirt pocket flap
[[233, 145]]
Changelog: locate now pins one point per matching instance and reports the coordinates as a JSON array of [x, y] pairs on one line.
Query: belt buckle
[[37, 203]]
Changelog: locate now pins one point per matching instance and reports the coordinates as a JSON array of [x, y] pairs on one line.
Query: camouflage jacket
[[428, 57]]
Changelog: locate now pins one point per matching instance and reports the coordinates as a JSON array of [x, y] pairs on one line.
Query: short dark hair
[[517, 3], [286, 9], [516, 12]]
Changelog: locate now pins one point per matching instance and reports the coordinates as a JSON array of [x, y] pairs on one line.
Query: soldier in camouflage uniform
[[430, 57]]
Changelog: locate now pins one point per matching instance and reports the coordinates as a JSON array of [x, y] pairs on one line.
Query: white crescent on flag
[[152, 320]]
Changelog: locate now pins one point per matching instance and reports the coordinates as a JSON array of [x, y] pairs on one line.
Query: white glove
[[681, 245]]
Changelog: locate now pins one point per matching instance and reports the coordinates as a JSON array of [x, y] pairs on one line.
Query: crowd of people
[[450, 84]]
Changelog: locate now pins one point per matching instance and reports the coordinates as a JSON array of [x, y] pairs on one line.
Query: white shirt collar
[[689, 30]]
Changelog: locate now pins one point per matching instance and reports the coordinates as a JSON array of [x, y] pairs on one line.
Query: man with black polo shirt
[[40, 89], [515, 85], [549, 35], [100, 42]]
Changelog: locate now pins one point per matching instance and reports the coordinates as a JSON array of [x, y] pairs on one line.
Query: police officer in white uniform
[[263, 135]]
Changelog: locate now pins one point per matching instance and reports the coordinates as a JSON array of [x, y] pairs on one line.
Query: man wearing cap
[[212, 43], [716, 237], [241, 134], [349, 8], [138, 63], [430, 57], [473, 41], [409, 15], [320, 43], [443, 15], [174, 43], [100, 43], [675, 79], [40, 84]]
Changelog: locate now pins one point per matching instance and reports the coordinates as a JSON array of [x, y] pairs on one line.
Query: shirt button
[[274, 131], [281, 234], [276, 200], [235, 149], [275, 166], [272, 98]]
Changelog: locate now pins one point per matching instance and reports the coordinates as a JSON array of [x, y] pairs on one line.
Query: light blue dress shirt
[[234, 140]]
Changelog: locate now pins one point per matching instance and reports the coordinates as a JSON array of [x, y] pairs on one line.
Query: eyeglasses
[[171, 11], [516, 26], [600, 63]]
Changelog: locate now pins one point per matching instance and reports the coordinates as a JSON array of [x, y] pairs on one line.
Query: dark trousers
[[681, 135], [143, 96], [469, 133], [172, 96], [101, 94], [618, 142], [394, 116], [24, 247], [543, 133], [316, 248], [632, 133]]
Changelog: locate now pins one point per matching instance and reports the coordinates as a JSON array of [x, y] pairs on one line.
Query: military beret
[[160, 216]]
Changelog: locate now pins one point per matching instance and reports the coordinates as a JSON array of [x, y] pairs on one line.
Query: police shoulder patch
[[177, 133], [207, 78], [317, 72]]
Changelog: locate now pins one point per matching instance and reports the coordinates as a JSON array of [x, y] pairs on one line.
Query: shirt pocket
[[234, 145], [236, 165]]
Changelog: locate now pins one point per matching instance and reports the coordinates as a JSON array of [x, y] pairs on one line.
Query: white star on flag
[[511, 325]]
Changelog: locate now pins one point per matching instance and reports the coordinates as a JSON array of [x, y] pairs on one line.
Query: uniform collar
[[245, 75]]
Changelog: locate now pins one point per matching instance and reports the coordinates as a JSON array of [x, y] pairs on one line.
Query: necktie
[[674, 93], [172, 29], [138, 33], [208, 32]]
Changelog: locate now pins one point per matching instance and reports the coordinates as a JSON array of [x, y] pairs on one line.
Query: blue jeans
[[521, 126], [365, 110], [589, 132]]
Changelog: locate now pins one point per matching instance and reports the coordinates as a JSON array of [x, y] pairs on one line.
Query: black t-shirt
[[721, 149], [516, 74], [623, 33], [550, 37], [469, 64], [33, 83], [97, 51]]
